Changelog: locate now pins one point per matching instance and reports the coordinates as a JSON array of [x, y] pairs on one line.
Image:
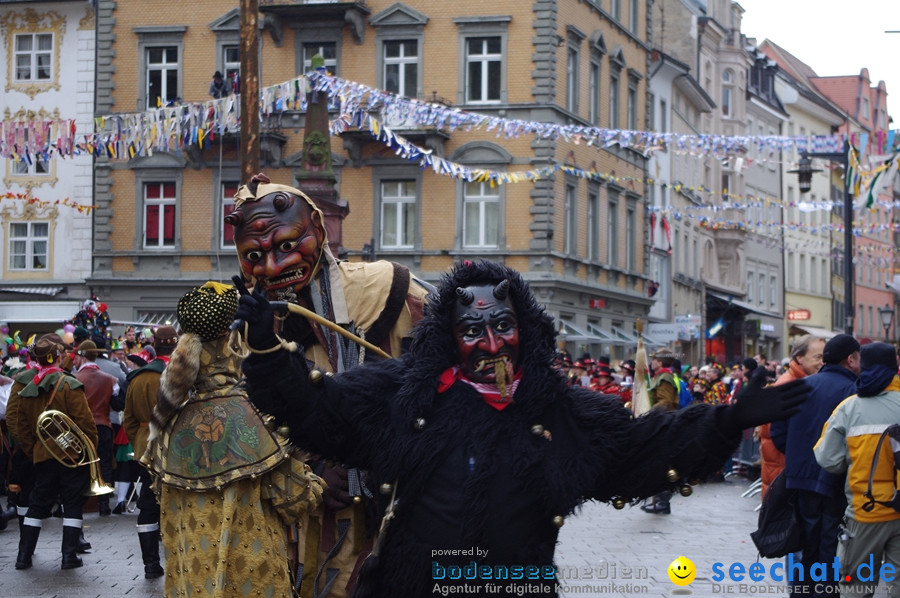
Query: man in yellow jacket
[[847, 445]]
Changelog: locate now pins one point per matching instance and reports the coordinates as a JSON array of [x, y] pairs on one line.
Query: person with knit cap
[[140, 399], [34, 392], [820, 495], [216, 464], [847, 447]]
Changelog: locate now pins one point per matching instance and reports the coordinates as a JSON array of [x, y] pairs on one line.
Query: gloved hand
[[256, 311], [757, 404], [337, 494]]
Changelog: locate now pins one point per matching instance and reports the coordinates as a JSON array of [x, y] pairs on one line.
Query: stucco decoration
[[31, 21]]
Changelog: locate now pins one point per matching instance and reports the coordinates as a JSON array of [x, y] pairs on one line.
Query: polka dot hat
[[208, 311]]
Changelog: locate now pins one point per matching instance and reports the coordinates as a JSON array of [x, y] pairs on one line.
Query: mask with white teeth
[[279, 236], [487, 334]]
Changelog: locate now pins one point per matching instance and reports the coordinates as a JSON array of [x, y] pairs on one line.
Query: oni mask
[[279, 236], [487, 333]]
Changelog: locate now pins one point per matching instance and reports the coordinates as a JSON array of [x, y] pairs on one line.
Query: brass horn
[[69, 445]]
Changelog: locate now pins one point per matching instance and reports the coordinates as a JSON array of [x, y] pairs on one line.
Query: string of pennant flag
[[173, 128]]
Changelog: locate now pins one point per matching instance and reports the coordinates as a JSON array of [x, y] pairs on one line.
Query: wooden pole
[[250, 143]]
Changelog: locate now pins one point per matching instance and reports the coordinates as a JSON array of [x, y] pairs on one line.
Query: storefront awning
[[813, 330], [610, 338], [38, 311], [36, 289], [742, 304], [575, 334]]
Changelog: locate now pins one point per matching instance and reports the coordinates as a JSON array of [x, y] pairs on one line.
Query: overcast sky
[[834, 37]]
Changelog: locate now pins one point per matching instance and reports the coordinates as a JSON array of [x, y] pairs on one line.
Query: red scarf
[[489, 392], [44, 370]]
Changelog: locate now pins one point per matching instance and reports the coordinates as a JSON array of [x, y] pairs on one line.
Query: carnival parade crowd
[[320, 427]]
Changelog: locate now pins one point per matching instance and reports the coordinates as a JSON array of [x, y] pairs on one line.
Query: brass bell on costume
[[559, 521], [315, 377], [618, 503], [386, 489], [357, 500], [419, 423], [284, 431], [672, 476], [537, 429], [685, 490]]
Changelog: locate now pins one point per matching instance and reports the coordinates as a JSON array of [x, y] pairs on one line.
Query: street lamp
[[887, 318], [804, 179]]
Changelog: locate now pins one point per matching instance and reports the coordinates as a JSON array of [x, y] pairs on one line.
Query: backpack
[[685, 397], [894, 432], [779, 531]]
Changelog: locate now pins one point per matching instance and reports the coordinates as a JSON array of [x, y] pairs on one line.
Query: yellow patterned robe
[[227, 486]]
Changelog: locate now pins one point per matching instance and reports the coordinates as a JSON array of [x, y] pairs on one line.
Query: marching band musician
[[33, 393]]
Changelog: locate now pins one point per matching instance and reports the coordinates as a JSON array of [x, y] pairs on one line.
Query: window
[[696, 264], [594, 94], [762, 289], [401, 67], [571, 216], [226, 231], [159, 215], [615, 8], [727, 91], [481, 215], [398, 214], [593, 223], [612, 234], [32, 40], [631, 240], [162, 75], [726, 187], [29, 245], [328, 50], [631, 104], [572, 80], [633, 12], [37, 164], [802, 272], [33, 57], [750, 278], [773, 291], [231, 65], [614, 99], [483, 69], [663, 116], [865, 107]]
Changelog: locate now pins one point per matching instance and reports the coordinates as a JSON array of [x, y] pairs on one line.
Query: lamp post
[[804, 178], [887, 318]]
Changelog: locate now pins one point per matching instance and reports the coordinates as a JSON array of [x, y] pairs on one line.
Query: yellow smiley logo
[[682, 571]]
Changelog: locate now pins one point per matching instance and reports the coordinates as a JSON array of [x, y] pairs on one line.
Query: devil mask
[[279, 236], [487, 334]]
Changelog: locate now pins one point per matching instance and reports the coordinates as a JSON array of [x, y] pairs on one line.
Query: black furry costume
[[471, 477]]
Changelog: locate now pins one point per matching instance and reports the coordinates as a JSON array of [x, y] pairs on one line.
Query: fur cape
[[536, 461]]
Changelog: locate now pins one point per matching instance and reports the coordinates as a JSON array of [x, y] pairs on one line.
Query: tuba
[[68, 445]]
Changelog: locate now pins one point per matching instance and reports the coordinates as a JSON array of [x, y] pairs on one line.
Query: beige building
[[579, 240]]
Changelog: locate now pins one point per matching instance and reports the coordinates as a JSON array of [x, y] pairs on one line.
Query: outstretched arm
[[692, 442]]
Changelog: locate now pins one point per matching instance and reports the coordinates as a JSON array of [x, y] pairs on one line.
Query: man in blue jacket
[[820, 495]]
